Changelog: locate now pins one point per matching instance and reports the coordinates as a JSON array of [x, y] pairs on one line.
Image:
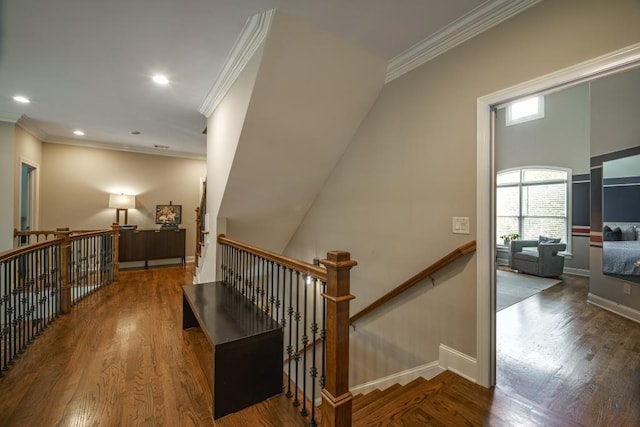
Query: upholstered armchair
[[537, 258]]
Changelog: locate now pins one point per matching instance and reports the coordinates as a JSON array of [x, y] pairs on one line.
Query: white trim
[[250, 39], [459, 363], [577, 271], [125, 148], [30, 125], [613, 62], [614, 307], [427, 371], [9, 117], [468, 26]]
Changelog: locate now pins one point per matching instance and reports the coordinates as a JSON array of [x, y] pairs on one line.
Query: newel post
[[65, 262], [116, 250], [336, 398]]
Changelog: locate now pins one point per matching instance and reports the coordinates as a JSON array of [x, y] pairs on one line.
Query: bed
[[621, 257]]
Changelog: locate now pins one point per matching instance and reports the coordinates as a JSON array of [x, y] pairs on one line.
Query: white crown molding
[[125, 148], [250, 39], [31, 126], [9, 117], [470, 25]]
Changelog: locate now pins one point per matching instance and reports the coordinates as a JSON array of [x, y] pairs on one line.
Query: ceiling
[[87, 64]]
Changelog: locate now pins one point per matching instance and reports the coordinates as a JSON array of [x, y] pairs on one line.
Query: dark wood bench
[[246, 343]]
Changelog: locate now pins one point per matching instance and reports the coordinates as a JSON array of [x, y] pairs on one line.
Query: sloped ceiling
[[311, 93]]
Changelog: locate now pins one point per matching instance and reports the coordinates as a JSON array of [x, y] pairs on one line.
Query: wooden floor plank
[[121, 358]]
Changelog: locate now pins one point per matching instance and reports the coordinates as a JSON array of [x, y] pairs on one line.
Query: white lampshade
[[122, 201]]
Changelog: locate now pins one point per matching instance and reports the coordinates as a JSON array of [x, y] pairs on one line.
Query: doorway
[[28, 191], [485, 194]]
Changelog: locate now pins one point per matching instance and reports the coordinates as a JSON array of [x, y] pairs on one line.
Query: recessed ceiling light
[[78, 132], [160, 79], [21, 99]]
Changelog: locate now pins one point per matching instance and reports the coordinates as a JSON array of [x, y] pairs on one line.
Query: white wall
[[412, 166], [224, 128], [560, 139], [7, 179]]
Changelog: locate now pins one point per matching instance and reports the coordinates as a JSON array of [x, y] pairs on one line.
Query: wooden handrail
[[438, 265], [304, 267], [24, 249]]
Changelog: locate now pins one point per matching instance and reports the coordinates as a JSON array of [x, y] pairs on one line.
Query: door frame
[[611, 63], [34, 184]]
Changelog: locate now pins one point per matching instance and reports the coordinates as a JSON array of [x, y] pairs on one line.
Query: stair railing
[[414, 280], [406, 285], [311, 303], [42, 280]]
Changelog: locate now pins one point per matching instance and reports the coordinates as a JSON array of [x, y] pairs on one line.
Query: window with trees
[[533, 202]]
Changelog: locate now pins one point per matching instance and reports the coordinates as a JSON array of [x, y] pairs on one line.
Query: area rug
[[512, 288]]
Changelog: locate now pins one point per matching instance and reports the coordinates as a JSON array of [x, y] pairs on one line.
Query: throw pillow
[[609, 235], [628, 232], [544, 239]]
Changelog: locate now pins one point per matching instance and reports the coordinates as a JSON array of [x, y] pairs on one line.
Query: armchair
[[537, 258]]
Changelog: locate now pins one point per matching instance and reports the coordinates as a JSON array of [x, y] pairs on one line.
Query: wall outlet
[[627, 288]]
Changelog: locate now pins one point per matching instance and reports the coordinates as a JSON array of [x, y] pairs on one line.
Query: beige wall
[[7, 178], [412, 166], [75, 184]]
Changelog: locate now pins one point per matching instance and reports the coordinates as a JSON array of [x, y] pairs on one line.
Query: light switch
[[461, 225]]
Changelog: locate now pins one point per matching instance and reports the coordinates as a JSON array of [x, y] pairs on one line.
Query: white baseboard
[[614, 307], [577, 271], [460, 363], [450, 359], [427, 371]]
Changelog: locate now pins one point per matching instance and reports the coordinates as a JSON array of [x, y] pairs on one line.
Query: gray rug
[[512, 288]]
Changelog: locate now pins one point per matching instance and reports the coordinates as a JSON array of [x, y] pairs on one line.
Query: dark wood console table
[[146, 245], [246, 343]]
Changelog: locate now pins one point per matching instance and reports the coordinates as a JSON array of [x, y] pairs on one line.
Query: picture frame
[[168, 214]]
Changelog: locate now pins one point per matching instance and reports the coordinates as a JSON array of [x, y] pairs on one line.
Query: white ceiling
[[86, 64]]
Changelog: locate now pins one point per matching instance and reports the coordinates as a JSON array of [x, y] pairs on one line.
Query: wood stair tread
[[449, 399], [363, 400]]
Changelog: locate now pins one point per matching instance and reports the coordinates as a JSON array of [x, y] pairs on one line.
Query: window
[[533, 202], [525, 110]]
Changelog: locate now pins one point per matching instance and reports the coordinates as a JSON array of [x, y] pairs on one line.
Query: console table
[[146, 245]]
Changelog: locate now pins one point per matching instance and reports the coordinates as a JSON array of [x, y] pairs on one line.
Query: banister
[[436, 266], [304, 267]]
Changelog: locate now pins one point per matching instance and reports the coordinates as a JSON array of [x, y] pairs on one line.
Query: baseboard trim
[[577, 271], [614, 307], [450, 359], [459, 363], [427, 371]]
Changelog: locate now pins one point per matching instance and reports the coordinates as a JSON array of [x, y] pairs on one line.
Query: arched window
[[533, 202]]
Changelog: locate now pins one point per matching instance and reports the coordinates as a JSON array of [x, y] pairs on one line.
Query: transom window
[[524, 110], [533, 202]]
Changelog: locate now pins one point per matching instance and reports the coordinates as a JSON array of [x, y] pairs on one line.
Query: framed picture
[[168, 214]]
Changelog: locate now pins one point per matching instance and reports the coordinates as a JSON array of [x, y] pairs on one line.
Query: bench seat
[[247, 345]]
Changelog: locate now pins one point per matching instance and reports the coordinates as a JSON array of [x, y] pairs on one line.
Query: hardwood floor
[[561, 353], [121, 359]]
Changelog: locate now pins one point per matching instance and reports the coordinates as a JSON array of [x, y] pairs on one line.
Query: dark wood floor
[[121, 359], [557, 351]]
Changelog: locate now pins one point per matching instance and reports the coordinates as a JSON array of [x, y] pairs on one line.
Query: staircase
[[416, 403], [450, 400]]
